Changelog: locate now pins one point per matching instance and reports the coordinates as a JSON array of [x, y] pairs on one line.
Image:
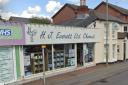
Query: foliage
[[38, 20], [2, 19]]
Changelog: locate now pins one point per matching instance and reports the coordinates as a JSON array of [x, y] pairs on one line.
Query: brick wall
[[111, 11], [66, 14]]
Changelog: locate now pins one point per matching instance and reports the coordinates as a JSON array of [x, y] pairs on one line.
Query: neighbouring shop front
[[65, 48], [11, 36]]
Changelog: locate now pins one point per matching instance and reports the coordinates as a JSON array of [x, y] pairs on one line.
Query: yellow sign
[[43, 46]]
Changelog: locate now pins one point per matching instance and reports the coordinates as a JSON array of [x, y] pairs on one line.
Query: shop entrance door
[[88, 53], [79, 54]]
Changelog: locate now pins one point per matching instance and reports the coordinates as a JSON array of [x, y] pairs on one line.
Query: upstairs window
[[125, 28]]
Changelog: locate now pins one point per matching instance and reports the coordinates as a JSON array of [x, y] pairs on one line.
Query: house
[[96, 20], [118, 19], [113, 10], [69, 11]]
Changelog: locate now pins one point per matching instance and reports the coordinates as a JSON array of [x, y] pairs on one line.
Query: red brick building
[[113, 10], [69, 11]]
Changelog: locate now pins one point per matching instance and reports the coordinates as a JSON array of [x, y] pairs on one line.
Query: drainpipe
[[107, 27], [125, 45]]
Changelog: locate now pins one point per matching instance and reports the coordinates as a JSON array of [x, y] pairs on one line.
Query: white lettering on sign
[[5, 32]]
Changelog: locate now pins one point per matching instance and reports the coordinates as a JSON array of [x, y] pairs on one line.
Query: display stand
[[59, 59], [36, 62]]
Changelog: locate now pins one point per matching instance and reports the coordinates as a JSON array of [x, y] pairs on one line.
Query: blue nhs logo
[[5, 32]]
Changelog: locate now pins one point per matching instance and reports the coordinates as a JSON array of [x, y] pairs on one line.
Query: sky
[[44, 8]]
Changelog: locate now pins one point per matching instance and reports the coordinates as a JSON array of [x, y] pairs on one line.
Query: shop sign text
[[5, 32], [60, 35], [57, 35]]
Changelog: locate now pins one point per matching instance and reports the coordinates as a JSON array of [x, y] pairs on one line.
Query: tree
[[38, 20], [2, 19]]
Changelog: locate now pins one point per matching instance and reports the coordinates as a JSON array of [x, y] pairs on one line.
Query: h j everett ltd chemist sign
[[56, 35]]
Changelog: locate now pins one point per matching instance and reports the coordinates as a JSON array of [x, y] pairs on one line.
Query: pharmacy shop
[[64, 48]]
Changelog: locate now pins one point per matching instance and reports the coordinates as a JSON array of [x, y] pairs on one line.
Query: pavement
[[86, 76]]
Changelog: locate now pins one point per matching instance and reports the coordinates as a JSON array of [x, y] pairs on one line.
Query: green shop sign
[[10, 32]]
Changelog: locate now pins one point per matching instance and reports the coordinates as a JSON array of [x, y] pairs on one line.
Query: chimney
[[82, 2]]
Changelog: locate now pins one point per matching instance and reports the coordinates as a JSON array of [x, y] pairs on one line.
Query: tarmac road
[[117, 79]]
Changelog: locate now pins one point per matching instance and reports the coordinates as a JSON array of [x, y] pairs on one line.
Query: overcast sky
[[44, 8]]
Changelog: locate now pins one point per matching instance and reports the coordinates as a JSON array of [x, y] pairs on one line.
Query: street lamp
[[107, 26], [43, 46]]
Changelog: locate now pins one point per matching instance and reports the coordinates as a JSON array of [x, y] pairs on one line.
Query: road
[[117, 79], [114, 74]]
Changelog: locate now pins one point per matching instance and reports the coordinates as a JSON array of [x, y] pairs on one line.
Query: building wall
[[121, 50], [112, 53], [99, 54], [111, 11], [64, 15]]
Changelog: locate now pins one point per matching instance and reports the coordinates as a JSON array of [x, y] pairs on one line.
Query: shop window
[[118, 48], [59, 56], [33, 60], [89, 56], [64, 56], [69, 55]]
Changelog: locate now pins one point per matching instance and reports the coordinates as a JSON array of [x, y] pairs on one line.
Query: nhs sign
[[5, 32]]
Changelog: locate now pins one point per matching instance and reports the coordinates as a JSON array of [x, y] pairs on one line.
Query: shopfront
[[65, 47], [56, 57], [11, 36]]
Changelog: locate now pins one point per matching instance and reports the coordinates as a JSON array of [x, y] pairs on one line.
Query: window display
[[69, 55], [27, 61], [36, 63], [33, 60], [27, 65], [89, 52], [64, 56], [59, 59]]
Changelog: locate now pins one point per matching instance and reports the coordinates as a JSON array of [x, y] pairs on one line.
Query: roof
[[93, 15], [120, 9], [72, 6]]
